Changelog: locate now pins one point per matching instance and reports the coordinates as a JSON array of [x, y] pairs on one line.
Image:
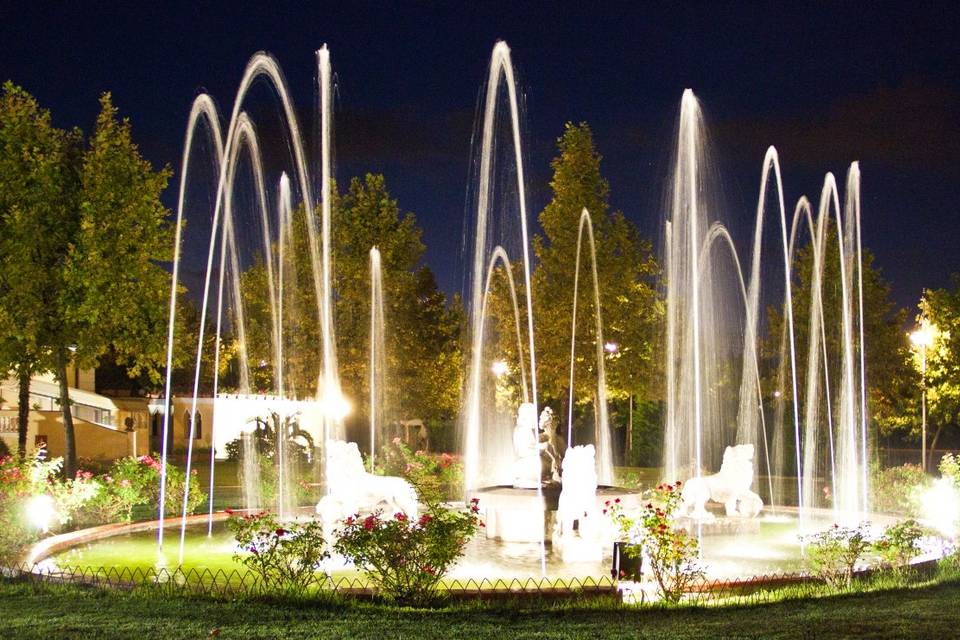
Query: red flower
[[349, 520], [617, 501], [604, 512], [228, 511], [424, 519], [475, 500], [280, 532], [368, 523], [430, 570], [400, 516], [607, 503]]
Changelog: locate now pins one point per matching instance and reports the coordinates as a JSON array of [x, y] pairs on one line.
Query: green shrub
[[136, 481], [898, 489], [406, 560], [833, 554], [950, 468], [285, 556], [24, 481], [900, 543], [436, 476], [671, 552]]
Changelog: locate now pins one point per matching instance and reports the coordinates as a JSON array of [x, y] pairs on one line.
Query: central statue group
[[536, 448]]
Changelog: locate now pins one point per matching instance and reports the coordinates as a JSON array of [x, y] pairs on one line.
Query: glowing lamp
[[40, 512], [499, 368]]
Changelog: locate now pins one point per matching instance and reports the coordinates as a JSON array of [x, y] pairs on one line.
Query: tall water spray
[[604, 446], [222, 248], [378, 359], [475, 436], [697, 426]]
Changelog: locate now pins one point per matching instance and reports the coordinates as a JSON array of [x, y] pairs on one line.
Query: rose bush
[[670, 551], [833, 554], [285, 556], [22, 482], [436, 476], [407, 559], [899, 489], [900, 543]]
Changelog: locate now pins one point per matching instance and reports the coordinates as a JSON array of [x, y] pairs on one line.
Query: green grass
[[51, 612]]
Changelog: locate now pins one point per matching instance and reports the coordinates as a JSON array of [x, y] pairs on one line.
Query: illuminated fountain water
[[703, 365], [715, 393], [223, 249], [378, 357]]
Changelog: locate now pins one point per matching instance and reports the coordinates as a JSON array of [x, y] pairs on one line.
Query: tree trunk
[[933, 445], [69, 441], [563, 422], [23, 409]]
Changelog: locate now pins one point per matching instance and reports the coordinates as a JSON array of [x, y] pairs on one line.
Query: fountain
[[699, 356], [718, 410]]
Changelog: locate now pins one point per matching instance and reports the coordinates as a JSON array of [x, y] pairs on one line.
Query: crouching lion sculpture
[[730, 487], [351, 489]]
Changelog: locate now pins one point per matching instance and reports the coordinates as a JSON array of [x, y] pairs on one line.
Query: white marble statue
[[578, 505], [526, 448], [550, 454], [730, 487], [350, 489]]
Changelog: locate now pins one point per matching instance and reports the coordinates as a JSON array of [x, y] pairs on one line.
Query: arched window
[[186, 425], [198, 431]]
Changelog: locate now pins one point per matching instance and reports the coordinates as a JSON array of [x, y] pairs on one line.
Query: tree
[[888, 375], [940, 308], [422, 330], [626, 271], [87, 255], [38, 183]]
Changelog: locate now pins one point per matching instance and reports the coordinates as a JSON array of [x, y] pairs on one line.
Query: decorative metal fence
[[234, 583]]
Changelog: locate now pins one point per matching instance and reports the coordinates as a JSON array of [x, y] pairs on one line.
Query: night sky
[[825, 85]]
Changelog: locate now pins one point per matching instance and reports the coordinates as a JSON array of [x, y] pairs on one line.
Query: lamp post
[[922, 338]]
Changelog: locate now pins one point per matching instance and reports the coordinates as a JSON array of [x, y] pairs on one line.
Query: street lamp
[[922, 338], [499, 368]]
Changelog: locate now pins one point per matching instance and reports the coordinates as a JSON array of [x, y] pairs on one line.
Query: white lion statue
[[730, 487], [350, 489], [578, 504]]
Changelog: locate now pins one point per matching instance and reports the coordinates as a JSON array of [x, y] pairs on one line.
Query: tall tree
[[422, 329], [90, 251], [940, 308], [888, 375], [115, 292], [630, 308], [37, 184]]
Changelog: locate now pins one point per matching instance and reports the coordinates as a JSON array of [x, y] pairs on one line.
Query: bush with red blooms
[[406, 559], [285, 556], [670, 551]]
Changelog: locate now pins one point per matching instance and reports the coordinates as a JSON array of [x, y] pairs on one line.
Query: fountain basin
[[512, 514]]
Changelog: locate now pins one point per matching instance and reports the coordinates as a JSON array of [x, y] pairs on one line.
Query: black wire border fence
[[230, 584]]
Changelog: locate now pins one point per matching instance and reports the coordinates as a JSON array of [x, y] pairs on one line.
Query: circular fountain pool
[[772, 547]]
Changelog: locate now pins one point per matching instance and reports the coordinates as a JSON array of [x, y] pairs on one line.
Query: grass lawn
[[51, 612]]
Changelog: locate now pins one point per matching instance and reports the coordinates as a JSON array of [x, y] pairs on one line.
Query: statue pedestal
[[720, 526], [520, 515], [573, 548], [514, 514]]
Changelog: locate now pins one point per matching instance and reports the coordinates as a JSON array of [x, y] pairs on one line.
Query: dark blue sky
[[826, 84]]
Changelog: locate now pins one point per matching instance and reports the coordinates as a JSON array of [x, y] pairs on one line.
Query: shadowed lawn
[[48, 612]]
